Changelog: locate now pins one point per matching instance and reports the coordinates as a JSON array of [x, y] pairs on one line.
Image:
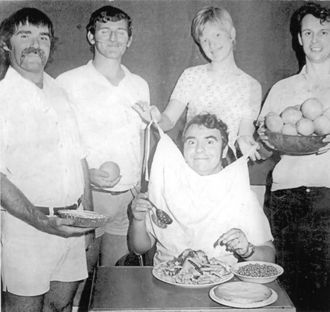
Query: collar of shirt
[[13, 78]]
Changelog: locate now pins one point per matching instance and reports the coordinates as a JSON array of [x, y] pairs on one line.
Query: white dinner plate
[[168, 280], [273, 297]]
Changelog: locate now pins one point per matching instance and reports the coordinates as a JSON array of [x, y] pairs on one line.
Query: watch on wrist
[[250, 251]]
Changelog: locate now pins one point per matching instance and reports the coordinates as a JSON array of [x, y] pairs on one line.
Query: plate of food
[[243, 295], [257, 271], [84, 218], [192, 269]]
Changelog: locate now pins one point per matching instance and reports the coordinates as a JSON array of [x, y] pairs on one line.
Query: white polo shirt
[[111, 130], [40, 148]]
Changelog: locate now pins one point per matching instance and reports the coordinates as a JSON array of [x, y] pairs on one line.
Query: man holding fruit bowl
[[298, 207]]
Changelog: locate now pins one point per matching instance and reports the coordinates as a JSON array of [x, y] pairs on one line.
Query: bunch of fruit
[[309, 118]]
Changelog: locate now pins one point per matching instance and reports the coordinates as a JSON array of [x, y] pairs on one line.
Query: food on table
[[309, 118], [257, 270], [111, 168], [243, 292], [192, 268]]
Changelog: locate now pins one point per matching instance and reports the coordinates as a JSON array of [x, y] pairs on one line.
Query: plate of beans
[[257, 271]]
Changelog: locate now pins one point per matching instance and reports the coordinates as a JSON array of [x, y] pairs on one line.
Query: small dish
[[84, 218], [257, 271], [236, 294]]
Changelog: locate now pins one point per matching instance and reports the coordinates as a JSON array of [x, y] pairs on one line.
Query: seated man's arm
[[236, 241], [17, 204], [140, 241], [265, 252]]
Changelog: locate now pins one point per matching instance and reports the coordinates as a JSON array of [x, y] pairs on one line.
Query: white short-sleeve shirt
[[111, 130], [40, 147]]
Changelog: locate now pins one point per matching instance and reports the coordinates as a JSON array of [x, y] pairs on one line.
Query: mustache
[[38, 51]]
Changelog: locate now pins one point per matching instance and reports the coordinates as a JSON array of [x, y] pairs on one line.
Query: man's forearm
[[246, 127], [166, 123], [139, 240], [17, 204]]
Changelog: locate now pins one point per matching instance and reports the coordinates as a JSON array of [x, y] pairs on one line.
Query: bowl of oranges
[[298, 130]]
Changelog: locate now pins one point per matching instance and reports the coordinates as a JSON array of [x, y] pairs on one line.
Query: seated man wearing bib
[[212, 206]]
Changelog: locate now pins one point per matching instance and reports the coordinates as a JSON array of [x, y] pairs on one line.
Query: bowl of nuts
[[257, 271]]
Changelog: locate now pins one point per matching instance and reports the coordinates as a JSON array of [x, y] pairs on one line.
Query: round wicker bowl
[[295, 144]]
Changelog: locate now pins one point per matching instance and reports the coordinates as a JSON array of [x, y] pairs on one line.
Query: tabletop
[[129, 288]]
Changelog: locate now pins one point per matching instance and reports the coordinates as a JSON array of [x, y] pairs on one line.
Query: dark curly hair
[[108, 13], [314, 9], [105, 14], [211, 121], [9, 25]]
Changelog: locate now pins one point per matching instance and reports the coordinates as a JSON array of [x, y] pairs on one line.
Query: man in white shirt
[[103, 92], [300, 192], [42, 171]]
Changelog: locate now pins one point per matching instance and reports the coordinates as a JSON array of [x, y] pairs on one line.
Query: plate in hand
[[84, 218]]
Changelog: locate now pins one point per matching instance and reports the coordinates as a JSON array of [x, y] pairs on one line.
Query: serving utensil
[[161, 215]]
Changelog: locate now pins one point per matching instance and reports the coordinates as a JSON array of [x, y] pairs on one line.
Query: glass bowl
[[295, 144]]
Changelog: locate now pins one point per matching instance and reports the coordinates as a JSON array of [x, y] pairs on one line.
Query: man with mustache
[[103, 92], [42, 171]]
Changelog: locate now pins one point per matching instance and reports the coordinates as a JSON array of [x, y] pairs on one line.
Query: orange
[[305, 126], [112, 169], [289, 129], [291, 115], [326, 113], [298, 106], [312, 108], [273, 122], [322, 125]]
